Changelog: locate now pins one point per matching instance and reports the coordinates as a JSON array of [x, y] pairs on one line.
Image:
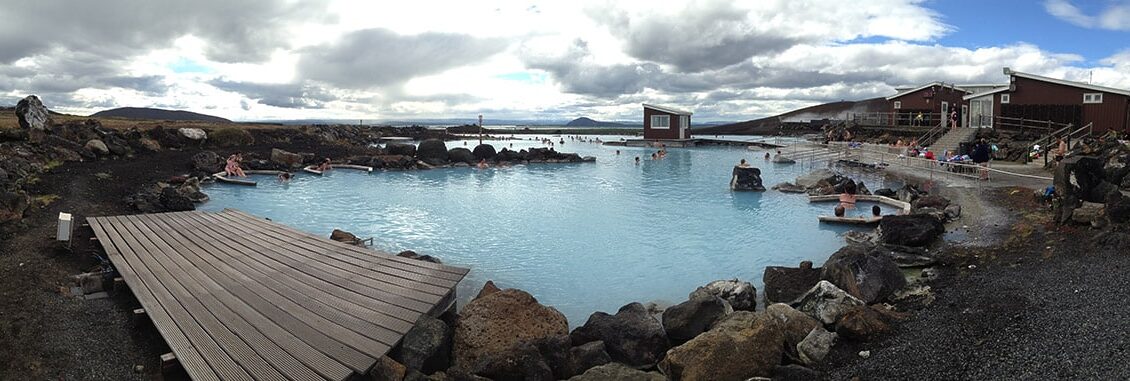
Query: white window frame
[[1092, 98], [1005, 98], [898, 105], [666, 125]]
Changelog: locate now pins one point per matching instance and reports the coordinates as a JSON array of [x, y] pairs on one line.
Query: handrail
[[1043, 141], [933, 165], [931, 134]]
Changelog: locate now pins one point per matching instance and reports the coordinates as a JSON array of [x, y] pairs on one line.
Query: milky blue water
[[580, 237]]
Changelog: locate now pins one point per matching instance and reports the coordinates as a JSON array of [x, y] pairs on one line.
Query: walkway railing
[[932, 135], [897, 156]]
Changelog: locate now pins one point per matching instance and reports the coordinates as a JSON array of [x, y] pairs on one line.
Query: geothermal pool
[[580, 237]]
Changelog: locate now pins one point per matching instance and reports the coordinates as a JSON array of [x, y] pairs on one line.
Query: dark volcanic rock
[[207, 161], [345, 237], [484, 151], [412, 254], [786, 284], [741, 296], [866, 274], [886, 192], [32, 115], [461, 155], [12, 206], [688, 319], [584, 357], [286, 159], [618, 372], [426, 347], [432, 151], [795, 324], [632, 336], [931, 201], [795, 372], [910, 230], [400, 149], [826, 302], [746, 179]]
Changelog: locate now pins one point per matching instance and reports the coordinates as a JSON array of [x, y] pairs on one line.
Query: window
[[660, 122], [1093, 98], [1005, 98], [898, 105]]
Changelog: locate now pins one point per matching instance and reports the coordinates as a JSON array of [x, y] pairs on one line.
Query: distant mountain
[[157, 114], [770, 125], [586, 122]]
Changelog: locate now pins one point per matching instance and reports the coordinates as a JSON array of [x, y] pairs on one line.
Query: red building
[[934, 100], [665, 123], [1035, 97]]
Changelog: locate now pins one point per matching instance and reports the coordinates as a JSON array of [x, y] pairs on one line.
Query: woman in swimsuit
[[232, 168], [847, 199]]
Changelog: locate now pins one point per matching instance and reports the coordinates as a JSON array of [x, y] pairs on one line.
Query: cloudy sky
[[362, 59]]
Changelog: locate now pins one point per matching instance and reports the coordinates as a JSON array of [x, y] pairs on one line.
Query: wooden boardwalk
[[238, 297]]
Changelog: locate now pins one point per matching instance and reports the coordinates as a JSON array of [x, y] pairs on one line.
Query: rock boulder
[[193, 134], [432, 151], [498, 323], [401, 149], [484, 151], [286, 159], [618, 372], [426, 347], [461, 155], [862, 323], [746, 179], [827, 303], [863, 273], [346, 237], [910, 230], [98, 147], [12, 205], [631, 336], [741, 296], [688, 319], [794, 324], [738, 350], [786, 284], [207, 161], [32, 115], [815, 346]]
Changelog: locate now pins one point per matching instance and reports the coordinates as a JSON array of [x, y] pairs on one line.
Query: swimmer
[[654, 156], [637, 160], [617, 152], [743, 164], [325, 166], [483, 164], [839, 211], [766, 156], [285, 177], [876, 211]]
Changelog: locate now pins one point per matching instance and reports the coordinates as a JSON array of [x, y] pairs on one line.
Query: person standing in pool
[[743, 164], [847, 199], [285, 177]]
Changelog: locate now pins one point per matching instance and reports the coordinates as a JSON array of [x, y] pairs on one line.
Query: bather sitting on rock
[[232, 168]]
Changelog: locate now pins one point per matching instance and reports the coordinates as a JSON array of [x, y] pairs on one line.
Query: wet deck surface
[[238, 297]]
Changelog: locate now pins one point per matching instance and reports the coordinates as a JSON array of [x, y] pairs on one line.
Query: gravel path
[[1043, 303]]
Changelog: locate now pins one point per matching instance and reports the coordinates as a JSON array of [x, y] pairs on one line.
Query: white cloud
[[1116, 15]]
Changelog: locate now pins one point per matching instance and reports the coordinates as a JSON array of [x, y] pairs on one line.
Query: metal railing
[[932, 135], [1021, 124], [895, 118], [897, 156]]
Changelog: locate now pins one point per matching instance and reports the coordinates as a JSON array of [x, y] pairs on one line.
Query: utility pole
[[480, 129]]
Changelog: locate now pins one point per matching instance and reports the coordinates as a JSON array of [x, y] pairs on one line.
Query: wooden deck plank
[[240, 351], [252, 327], [378, 275], [364, 327], [427, 268], [292, 282], [238, 297], [216, 357], [191, 359], [334, 340], [288, 255]]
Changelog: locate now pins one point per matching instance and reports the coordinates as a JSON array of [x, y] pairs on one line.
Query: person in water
[[839, 210], [743, 164], [876, 211], [847, 199], [325, 166], [285, 176], [766, 156], [654, 156], [233, 165], [483, 164], [637, 160]]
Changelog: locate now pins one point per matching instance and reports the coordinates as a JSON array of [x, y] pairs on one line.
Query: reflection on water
[[579, 237]]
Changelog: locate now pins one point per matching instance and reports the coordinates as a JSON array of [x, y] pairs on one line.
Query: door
[[965, 115], [684, 126], [945, 114]]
